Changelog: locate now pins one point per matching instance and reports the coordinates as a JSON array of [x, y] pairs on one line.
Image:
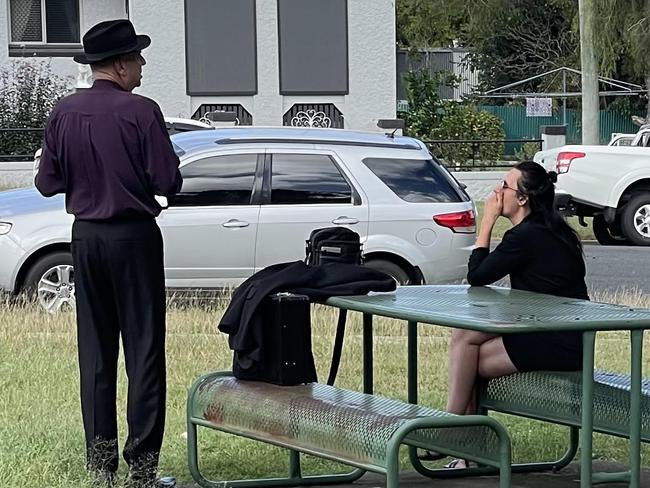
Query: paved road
[[612, 268]]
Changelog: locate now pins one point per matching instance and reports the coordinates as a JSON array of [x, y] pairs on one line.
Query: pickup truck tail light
[[563, 161], [459, 222]]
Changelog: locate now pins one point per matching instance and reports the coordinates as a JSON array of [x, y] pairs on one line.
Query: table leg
[[636, 338], [586, 448], [368, 379], [412, 365], [412, 386]]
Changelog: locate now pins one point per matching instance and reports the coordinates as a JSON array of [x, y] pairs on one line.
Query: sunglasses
[[505, 186]]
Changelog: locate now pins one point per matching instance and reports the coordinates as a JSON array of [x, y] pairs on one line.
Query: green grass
[[503, 224], [41, 438]]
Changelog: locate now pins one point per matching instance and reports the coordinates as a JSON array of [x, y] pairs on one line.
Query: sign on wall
[[539, 107]]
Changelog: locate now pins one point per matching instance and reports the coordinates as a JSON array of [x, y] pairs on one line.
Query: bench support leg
[[294, 465], [295, 477], [503, 468]]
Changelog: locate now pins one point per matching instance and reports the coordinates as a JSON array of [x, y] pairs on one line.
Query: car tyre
[[398, 273], [635, 219], [51, 281], [603, 233]]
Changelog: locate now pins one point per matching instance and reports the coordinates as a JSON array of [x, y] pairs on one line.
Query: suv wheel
[[635, 219], [605, 233], [51, 279], [394, 270]]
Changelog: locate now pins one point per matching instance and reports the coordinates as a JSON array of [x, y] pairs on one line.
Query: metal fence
[[518, 126], [19, 143], [470, 155]]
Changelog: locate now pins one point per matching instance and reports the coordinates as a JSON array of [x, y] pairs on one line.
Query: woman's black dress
[[536, 260]]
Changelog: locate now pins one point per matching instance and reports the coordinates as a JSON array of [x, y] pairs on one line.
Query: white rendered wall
[[164, 75], [91, 12]]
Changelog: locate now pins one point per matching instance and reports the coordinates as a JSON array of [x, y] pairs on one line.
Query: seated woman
[[540, 253]]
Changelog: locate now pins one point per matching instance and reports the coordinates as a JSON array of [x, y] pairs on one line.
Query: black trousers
[[120, 291]]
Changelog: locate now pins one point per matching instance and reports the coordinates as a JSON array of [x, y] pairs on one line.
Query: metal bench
[[357, 429], [557, 397]]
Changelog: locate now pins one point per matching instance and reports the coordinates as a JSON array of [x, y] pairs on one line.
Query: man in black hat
[[109, 152]]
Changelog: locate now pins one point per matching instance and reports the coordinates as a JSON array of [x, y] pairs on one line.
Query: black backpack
[[334, 245]]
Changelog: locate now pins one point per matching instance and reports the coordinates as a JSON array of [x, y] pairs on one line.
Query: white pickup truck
[[609, 183]]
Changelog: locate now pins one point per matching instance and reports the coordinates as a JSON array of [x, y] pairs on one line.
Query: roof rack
[[306, 140]]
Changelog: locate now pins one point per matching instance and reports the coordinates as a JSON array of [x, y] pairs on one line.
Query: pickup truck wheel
[[635, 219], [604, 235]]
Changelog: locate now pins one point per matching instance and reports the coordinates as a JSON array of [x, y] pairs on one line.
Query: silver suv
[[250, 198]]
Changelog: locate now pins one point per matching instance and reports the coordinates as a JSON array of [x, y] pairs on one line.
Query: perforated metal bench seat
[[353, 428], [557, 397]]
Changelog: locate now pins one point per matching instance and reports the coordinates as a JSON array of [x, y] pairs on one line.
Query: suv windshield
[[415, 180]]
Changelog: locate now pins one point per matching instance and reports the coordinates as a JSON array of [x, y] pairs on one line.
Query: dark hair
[[538, 186]]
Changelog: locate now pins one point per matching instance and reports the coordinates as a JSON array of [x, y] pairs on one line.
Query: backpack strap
[[338, 346]]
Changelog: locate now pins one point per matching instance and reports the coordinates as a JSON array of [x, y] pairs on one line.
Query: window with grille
[[44, 21]]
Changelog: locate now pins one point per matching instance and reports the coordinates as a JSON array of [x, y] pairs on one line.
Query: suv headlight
[[5, 227]]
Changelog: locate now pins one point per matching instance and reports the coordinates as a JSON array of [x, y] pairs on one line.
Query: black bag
[[287, 357], [333, 245]]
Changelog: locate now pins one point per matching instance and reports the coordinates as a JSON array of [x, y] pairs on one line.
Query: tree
[[429, 117], [623, 40], [511, 40], [429, 23]]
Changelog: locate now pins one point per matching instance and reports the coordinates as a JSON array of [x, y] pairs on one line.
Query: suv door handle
[[235, 223], [345, 220]]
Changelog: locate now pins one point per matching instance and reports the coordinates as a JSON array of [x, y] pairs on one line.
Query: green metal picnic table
[[499, 310]]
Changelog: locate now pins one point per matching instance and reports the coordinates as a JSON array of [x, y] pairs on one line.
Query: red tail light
[[563, 161], [460, 222]]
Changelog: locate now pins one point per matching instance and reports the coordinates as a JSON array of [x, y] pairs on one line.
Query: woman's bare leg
[[494, 361], [490, 360], [464, 352]]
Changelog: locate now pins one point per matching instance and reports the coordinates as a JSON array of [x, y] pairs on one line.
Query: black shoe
[[140, 480], [425, 455]]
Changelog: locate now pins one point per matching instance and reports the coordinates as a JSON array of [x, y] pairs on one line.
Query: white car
[[609, 183], [251, 197], [174, 125]]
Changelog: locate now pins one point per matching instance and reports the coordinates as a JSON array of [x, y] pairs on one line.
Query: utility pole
[[590, 98]]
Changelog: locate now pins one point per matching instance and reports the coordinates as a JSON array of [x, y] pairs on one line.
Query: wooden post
[[590, 98]]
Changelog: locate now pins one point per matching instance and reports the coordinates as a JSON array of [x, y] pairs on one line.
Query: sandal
[[426, 455], [458, 464]]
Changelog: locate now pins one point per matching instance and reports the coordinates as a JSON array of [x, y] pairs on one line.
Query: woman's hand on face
[[493, 206]]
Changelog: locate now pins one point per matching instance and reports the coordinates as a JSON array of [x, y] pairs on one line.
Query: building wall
[[371, 51], [91, 12], [164, 75]]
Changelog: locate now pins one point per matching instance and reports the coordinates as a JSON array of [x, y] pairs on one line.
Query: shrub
[[430, 118], [28, 91], [466, 122], [527, 151]]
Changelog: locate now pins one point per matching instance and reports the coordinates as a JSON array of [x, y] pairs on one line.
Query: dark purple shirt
[[108, 150]]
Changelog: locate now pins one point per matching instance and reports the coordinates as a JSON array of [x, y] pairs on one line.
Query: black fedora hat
[[109, 39]]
